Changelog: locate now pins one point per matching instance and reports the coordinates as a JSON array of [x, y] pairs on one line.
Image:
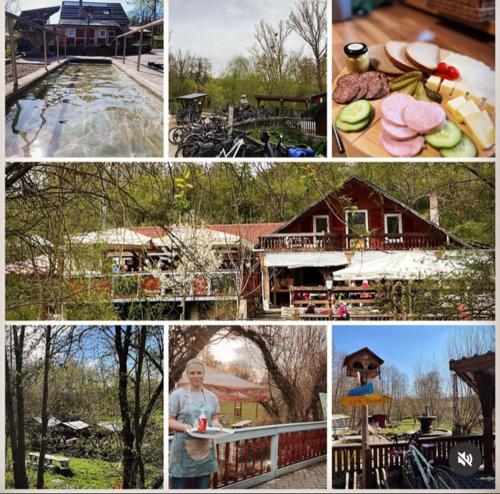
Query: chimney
[[433, 208], [80, 10]]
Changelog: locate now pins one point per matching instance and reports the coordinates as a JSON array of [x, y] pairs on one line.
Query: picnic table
[[50, 460], [241, 424]]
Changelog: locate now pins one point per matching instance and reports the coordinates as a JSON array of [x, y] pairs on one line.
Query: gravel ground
[[23, 69]]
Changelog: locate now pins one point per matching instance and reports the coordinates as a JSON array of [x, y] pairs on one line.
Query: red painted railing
[[297, 242], [255, 455]]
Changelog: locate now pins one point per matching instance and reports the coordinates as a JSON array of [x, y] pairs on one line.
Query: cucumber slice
[[355, 112], [449, 136], [355, 127], [464, 149]]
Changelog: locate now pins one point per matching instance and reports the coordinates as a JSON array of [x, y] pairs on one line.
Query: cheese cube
[[465, 108], [460, 89], [446, 88], [433, 82], [482, 128], [453, 105], [476, 96]]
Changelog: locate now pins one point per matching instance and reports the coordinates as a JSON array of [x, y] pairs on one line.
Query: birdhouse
[[363, 362]]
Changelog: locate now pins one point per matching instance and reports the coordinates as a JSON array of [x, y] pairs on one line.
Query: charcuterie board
[[367, 142]]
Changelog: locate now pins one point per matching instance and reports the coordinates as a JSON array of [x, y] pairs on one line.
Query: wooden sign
[[367, 389], [370, 399]]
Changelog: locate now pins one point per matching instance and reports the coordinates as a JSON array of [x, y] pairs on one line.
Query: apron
[[189, 456]]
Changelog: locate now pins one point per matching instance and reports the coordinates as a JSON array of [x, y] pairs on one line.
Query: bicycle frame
[[233, 152], [424, 467]]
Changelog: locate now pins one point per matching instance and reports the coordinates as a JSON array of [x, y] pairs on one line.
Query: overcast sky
[[222, 29]]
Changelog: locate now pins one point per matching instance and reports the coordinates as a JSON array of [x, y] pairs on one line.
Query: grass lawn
[[86, 473], [248, 412], [409, 425]]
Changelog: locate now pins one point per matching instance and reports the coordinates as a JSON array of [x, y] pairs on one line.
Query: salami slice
[[345, 93], [393, 106], [403, 149], [348, 79], [397, 132], [424, 117]]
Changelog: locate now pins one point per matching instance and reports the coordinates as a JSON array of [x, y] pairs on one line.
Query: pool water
[[85, 111]]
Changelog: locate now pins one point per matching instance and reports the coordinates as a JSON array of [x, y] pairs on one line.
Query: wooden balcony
[[305, 242], [254, 455]]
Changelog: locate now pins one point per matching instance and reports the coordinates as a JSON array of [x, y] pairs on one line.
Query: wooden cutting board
[[367, 142]]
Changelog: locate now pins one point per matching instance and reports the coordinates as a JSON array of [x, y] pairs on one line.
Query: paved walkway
[[150, 77], [313, 477]]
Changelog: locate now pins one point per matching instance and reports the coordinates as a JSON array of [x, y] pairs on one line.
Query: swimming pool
[[85, 110]]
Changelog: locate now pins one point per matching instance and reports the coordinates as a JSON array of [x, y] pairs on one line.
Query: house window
[[356, 225], [393, 225], [102, 33], [70, 32], [321, 224]]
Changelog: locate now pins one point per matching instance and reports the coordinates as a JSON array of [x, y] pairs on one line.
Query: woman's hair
[[194, 362]]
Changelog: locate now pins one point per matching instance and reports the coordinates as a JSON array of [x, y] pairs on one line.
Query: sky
[[39, 4], [400, 345], [223, 29]]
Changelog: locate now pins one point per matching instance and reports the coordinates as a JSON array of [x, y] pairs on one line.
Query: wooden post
[[13, 54], [365, 440], [265, 287], [116, 48], [45, 48], [124, 48], [139, 52], [65, 46], [57, 48]]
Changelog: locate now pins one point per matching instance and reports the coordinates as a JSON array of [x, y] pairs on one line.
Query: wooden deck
[[400, 22]]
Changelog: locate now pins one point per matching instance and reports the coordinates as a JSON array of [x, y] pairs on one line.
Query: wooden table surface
[[400, 22]]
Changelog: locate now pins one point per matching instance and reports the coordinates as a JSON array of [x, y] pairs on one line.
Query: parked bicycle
[[418, 472], [280, 150]]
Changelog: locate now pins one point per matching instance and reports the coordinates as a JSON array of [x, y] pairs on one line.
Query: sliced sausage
[[393, 106], [397, 132], [403, 149], [424, 117], [345, 93]]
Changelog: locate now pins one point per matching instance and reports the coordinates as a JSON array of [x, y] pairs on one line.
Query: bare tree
[[271, 56], [308, 20]]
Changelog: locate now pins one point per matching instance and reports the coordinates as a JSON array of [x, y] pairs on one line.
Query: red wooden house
[[357, 219]]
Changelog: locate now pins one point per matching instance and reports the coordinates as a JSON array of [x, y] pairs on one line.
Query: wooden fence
[[348, 458], [305, 126], [255, 455]]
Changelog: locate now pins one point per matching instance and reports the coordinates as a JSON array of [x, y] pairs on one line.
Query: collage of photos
[[284, 210]]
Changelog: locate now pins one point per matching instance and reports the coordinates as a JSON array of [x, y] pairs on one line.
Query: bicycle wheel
[[443, 479], [175, 135]]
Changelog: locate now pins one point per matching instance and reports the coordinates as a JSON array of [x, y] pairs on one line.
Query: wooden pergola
[[282, 100], [140, 30], [12, 19], [478, 372]]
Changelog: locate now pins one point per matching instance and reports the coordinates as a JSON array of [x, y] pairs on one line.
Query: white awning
[[408, 265], [294, 260]]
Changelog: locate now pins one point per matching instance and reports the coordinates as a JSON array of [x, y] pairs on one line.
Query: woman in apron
[[191, 458]]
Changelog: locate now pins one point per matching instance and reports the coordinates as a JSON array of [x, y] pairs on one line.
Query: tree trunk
[[44, 416], [122, 352], [20, 454]]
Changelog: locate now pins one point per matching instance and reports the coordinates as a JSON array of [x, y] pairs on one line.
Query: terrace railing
[[348, 458], [255, 455], [298, 242], [144, 285]]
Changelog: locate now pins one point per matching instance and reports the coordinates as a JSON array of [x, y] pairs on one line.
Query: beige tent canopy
[[229, 388]]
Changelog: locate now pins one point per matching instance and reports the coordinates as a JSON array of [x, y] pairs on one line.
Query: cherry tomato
[[452, 73], [442, 67]]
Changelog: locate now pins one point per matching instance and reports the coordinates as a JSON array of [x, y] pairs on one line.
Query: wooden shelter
[[282, 100], [478, 372]]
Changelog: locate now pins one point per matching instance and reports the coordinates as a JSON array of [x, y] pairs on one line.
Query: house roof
[[97, 11], [365, 349], [247, 231], [39, 16], [381, 192]]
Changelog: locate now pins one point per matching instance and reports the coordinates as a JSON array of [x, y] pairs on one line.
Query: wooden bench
[[49, 460], [241, 424]]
